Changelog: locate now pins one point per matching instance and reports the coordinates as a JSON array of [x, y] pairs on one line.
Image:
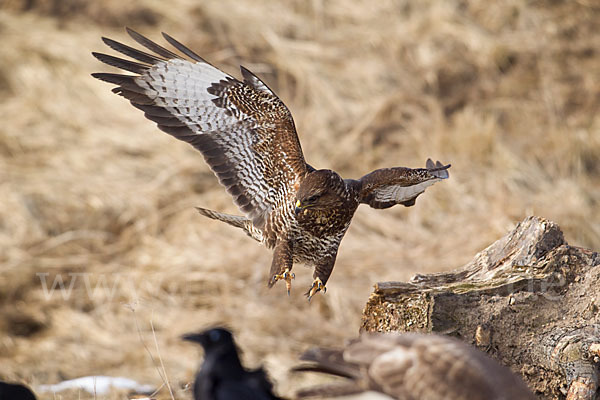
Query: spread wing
[[418, 366], [244, 131], [423, 367], [386, 187]]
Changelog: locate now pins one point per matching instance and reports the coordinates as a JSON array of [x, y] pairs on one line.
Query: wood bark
[[530, 300]]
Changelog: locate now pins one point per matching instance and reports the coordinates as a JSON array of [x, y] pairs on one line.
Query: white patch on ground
[[97, 384]]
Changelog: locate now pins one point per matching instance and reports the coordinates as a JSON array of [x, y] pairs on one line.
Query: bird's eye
[[312, 198], [214, 336]]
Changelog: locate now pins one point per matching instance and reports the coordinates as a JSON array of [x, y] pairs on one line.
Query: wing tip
[[438, 169], [131, 32], [182, 48]]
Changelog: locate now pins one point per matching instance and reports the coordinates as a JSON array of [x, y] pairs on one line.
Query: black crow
[[222, 376], [15, 391]]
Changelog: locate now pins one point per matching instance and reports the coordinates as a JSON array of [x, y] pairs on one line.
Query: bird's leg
[[321, 275], [281, 266]]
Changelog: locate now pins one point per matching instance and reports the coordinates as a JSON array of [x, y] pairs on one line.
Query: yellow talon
[[287, 276], [316, 287]]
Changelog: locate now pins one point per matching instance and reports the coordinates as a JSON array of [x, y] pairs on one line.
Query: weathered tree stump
[[530, 300]]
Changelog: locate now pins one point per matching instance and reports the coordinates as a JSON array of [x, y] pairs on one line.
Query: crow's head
[[212, 339]]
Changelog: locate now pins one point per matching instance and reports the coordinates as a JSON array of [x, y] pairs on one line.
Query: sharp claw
[[316, 287], [287, 276]]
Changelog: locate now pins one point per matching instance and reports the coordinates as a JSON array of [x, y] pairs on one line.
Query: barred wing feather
[[386, 187], [244, 131]]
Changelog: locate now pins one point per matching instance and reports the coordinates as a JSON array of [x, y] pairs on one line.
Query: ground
[[95, 195]]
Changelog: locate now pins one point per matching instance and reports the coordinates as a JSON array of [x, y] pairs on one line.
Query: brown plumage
[[248, 138], [413, 366]]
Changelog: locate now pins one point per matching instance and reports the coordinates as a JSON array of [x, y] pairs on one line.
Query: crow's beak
[[298, 208], [194, 337]]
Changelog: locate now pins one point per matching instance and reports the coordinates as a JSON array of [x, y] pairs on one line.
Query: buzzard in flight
[[248, 138], [412, 366]]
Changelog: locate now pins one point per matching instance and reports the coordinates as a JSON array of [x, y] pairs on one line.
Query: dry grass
[[508, 92]]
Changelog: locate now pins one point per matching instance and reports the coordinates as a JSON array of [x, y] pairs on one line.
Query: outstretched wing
[[244, 131], [434, 367], [386, 187], [415, 366]]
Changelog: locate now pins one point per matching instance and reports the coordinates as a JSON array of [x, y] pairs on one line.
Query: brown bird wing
[[419, 366], [244, 131], [386, 187]]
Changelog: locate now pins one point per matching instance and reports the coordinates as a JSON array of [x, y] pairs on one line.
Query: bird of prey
[[248, 138], [15, 391], [413, 366], [222, 376]]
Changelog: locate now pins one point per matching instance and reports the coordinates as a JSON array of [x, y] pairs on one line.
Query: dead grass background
[[507, 91]]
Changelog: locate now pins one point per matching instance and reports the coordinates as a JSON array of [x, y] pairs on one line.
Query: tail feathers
[[234, 220], [328, 361], [331, 362]]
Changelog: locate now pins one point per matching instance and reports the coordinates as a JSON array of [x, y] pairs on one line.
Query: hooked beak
[[298, 208]]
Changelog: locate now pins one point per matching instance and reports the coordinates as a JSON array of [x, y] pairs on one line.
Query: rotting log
[[529, 300]]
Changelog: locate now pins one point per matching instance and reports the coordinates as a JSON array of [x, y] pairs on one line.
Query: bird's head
[[214, 338], [320, 190]]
